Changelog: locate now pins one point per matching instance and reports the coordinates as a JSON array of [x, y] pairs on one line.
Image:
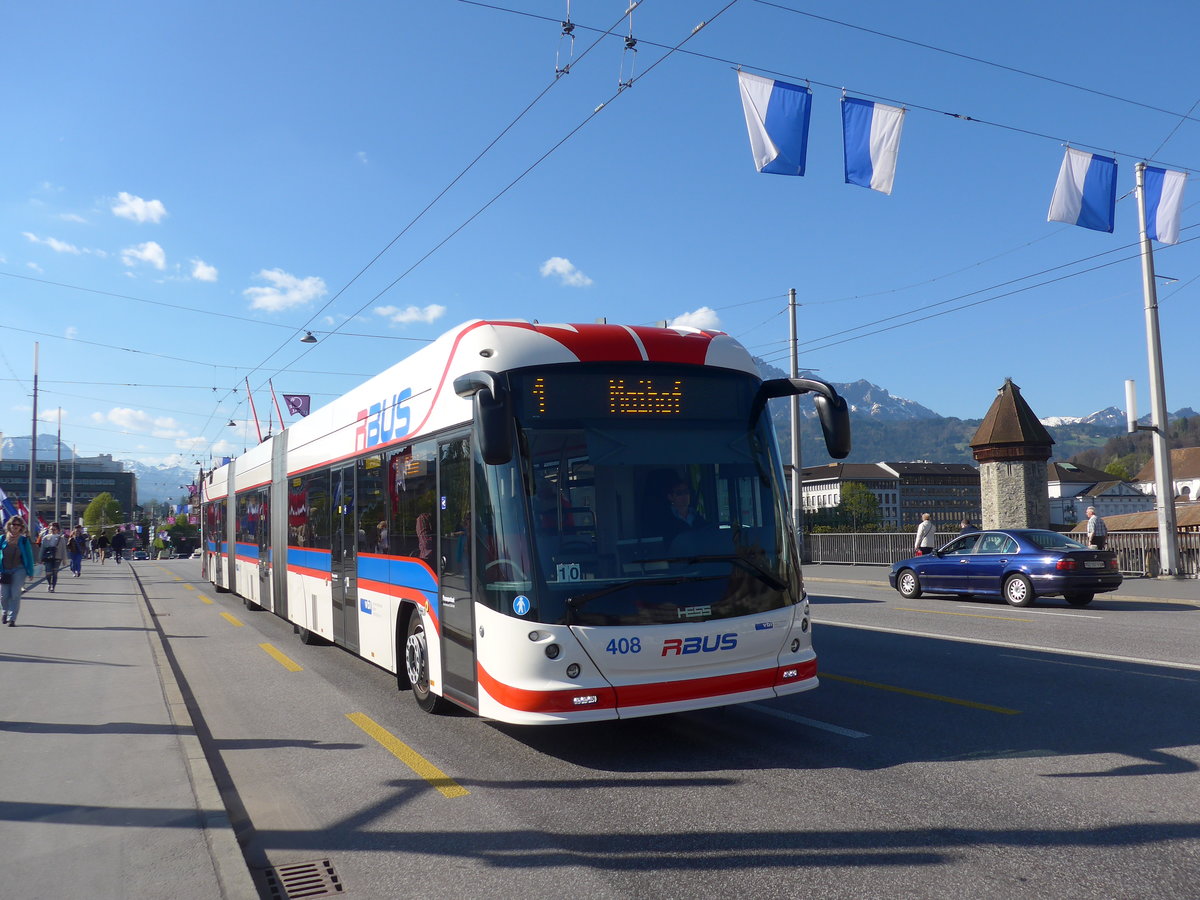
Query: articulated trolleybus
[[539, 523]]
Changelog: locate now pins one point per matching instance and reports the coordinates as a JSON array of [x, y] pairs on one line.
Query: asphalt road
[[954, 748]]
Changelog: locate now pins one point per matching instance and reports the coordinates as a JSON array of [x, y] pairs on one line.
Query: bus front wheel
[[416, 664]]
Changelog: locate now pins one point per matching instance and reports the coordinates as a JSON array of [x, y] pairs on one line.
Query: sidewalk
[[1164, 590], [104, 789]]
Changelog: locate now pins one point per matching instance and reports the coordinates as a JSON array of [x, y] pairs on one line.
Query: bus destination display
[[640, 396]]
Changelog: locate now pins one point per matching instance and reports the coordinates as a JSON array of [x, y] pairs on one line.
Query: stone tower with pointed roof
[[1012, 447]]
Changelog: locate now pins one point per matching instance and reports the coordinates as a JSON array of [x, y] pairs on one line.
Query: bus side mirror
[[492, 414], [831, 408]]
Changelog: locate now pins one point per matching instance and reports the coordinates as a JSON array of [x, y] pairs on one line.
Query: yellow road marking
[[944, 612], [205, 599], [410, 757], [189, 587], [922, 694], [282, 658], [231, 620]]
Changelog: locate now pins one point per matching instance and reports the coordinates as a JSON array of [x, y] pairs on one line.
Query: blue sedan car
[[1018, 564]]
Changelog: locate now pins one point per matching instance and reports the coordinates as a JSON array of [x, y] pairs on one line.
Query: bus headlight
[[795, 644], [573, 670], [552, 651]]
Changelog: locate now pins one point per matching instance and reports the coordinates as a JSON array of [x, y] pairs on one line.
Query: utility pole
[[58, 469], [31, 525], [797, 477], [1168, 541]]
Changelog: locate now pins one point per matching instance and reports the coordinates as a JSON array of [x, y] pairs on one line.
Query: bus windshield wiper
[[764, 575], [580, 600]]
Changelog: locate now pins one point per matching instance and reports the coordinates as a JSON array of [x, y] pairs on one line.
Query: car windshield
[[1052, 540], [641, 521]]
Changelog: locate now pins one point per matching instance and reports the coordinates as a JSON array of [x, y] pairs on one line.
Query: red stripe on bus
[[625, 696]]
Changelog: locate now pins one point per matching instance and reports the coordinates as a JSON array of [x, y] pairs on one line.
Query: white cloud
[[32, 266], [362, 156], [73, 217], [567, 274], [71, 333], [398, 316], [51, 416], [285, 292], [141, 422], [149, 252], [53, 243], [135, 208], [202, 271], [700, 318]]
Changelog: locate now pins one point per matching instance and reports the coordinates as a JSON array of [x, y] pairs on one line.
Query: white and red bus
[[539, 523]]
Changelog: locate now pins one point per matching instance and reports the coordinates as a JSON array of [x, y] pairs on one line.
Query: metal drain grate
[[306, 879]]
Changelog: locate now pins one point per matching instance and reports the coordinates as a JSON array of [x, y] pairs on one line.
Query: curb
[[229, 863]]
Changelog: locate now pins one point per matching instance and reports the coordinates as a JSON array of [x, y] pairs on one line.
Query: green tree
[[1117, 469], [102, 514], [860, 508]]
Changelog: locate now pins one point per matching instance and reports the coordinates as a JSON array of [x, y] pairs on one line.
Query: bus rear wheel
[[416, 664]]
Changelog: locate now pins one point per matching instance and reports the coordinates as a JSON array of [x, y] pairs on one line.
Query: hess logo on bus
[[383, 421], [709, 643]]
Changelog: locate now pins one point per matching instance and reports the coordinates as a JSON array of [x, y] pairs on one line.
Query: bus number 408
[[624, 645]]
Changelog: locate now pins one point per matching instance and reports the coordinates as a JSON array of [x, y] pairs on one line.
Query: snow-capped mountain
[[1108, 416], [161, 483], [863, 398]]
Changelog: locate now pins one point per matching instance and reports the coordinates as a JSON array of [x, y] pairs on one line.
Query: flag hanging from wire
[[1164, 203], [871, 135], [777, 115], [298, 404], [1086, 192]]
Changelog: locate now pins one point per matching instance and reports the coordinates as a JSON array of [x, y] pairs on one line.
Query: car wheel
[[1082, 598], [1018, 591], [908, 584]]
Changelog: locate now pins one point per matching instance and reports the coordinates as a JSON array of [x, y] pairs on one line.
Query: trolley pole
[[797, 476], [1165, 485]]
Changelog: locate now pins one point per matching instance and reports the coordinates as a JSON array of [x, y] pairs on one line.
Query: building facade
[[80, 480], [949, 492], [1074, 487]]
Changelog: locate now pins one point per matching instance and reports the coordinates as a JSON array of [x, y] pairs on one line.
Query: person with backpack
[[54, 554], [16, 553], [77, 546]]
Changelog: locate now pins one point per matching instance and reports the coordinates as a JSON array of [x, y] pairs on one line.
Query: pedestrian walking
[[1097, 531], [54, 554], [924, 540], [118, 544], [966, 526], [77, 548], [16, 557], [101, 546]]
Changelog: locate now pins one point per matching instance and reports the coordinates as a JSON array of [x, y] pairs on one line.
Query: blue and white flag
[[1086, 193], [871, 132], [1164, 203], [7, 508], [777, 115]]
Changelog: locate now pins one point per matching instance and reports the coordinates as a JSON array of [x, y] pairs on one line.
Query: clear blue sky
[[235, 166]]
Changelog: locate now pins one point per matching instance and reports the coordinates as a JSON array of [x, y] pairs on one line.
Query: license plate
[[1094, 564]]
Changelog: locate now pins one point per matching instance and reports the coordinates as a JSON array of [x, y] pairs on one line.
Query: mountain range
[[884, 427]]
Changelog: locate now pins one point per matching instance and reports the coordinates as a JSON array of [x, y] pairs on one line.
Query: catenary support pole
[[1165, 485], [31, 525], [797, 476]]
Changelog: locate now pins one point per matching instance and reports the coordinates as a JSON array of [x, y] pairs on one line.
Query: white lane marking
[[1039, 612], [812, 723], [1191, 667], [1059, 662]]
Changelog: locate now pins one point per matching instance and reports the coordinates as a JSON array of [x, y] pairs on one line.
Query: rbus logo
[[383, 422], [707, 644]]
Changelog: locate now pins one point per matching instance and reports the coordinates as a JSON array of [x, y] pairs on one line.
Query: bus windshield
[[650, 518]]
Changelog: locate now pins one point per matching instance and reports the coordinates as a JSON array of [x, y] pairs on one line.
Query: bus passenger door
[[263, 534], [454, 571], [344, 559]]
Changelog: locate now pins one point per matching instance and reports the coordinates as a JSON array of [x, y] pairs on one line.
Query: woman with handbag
[[16, 556], [54, 554]]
